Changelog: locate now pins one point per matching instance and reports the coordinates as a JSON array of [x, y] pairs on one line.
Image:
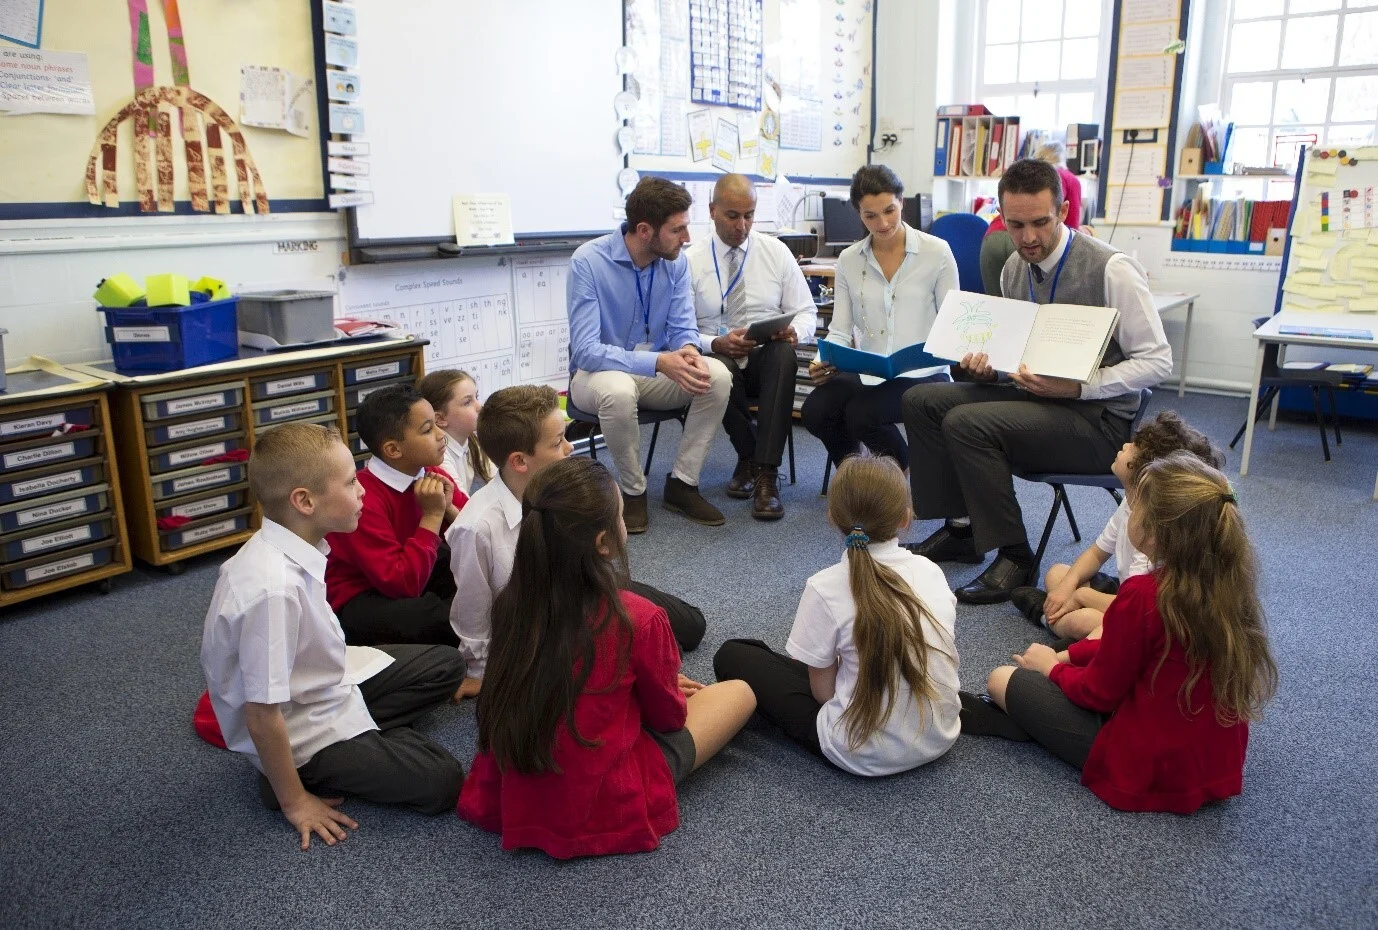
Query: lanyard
[[1052, 294], [730, 284], [645, 300]]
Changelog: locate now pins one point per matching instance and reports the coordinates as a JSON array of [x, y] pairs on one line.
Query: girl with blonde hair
[[870, 681]]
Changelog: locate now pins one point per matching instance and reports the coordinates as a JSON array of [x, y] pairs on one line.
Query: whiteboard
[[477, 96]]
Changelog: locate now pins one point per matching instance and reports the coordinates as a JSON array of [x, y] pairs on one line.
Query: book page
[[1068, 341], [970, 322]]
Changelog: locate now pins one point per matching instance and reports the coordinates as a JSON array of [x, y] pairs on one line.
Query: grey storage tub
[[289, 317]]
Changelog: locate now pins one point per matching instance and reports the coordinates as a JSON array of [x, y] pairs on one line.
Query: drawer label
[[54, 511], [294, 410], [192, 482], [219, 528], [197, 427], [200, 402], [142, 333], [47, 483], [290, 385], [60, 568], [201, 508], [33, 424], [53, 540], [184, 456], [378, 371], [61, 450], [364, 392]]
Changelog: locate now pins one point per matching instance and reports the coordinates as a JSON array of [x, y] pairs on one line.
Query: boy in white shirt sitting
[[274, 656], [1079, 595], [521, 430]]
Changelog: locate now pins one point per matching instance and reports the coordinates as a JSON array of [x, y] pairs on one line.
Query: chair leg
[[651, 453], [1334, 413], [593, 443], [1067, 506], [1043, 542], [827, 473], [1320, 420], [1263, 403], [1116, 495], [789, 443]]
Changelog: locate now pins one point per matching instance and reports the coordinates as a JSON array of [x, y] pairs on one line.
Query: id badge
[[642, 347]]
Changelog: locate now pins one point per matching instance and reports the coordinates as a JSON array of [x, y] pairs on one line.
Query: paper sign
[[341, 52], [348, 182], [343, 86], [274, 98], [346, 166], [768, 158], [346, 148], [748, 133], [701, 134], [45, 82], [725, 145], [352, 199], [22, 21], [346, 120], [339, 18], [483, 219]]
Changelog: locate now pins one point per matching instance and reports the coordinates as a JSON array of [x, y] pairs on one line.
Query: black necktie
[[1038, 274]]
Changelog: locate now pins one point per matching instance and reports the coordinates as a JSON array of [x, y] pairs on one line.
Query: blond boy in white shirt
[[274, 656]]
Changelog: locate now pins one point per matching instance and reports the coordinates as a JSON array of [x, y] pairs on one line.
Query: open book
[[1055, 340], [845, 358]]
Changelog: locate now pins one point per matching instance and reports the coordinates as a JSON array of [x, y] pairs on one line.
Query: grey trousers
[[966, 440], [1050, 718], [395, 764]]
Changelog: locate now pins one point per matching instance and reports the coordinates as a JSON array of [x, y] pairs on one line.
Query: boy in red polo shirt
[[389, 580]]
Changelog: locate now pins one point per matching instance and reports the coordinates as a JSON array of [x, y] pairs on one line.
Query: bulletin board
[[816, 105], [46, 156], [1144, 88], [1331, 261]]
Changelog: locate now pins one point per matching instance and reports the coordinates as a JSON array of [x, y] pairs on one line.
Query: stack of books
[[1236, 226]]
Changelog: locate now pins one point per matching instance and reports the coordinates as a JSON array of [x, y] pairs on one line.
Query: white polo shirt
[[822, 634], [883, 316], [483, 544], [1114, 540], [271, 638], [772, 279]]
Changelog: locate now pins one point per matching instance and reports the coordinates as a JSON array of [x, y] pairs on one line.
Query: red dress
[[1150, 755], [617, 796]]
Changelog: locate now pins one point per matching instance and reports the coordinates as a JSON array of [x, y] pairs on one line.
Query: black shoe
[[981, 717], [1029, 602], [743, 480], [947, 546], [996, 583]]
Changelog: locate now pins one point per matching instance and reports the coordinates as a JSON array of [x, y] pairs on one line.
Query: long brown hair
[[1207, 584], [869, 497], [562, 596], [438, 387]]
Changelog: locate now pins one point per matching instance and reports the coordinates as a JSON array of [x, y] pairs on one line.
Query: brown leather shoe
[[634, 513], [686, 499], [765, 504], [743, 480]]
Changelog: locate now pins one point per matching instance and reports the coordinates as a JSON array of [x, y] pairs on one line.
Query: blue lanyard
[[645, 301], [713, 245], [1052, 294]]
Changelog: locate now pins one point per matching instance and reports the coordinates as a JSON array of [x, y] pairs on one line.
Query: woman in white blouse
[[887, 292]]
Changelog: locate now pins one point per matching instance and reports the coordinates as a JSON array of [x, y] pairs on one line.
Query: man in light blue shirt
[[633, 342]]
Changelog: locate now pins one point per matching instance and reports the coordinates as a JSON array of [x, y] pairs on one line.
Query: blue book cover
[[845, 358]]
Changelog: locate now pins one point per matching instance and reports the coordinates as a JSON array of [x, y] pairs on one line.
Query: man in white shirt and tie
[[741, 277]]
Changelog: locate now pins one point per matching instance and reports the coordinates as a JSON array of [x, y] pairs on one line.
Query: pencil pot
[[153, 339]]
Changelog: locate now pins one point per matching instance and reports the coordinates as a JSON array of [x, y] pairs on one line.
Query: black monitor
[[842, 224]]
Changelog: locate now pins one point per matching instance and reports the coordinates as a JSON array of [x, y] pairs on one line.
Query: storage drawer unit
[[269, 413], [16, 426], [381, 369], [197, 506], [275, 386], [160, 434], [60, 565], [200, 478], [167, 404], [31, 453], [28, 514], [195, 453], [40, 481], [20, 546], [199, 531]]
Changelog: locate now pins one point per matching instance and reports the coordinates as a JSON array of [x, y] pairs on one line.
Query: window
[[1297, 72], [1041, 60]]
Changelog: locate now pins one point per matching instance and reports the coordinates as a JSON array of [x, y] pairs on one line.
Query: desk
[[1166, 303], [1269, 333]]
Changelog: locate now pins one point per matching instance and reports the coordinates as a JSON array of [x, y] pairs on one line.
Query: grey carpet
[[116, 815]]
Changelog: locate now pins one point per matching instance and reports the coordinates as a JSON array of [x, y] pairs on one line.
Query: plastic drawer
[[45, 422], [203, 399], [204, 477], [197, 506], [53, 478], [199, 531], [275, 386], [65, 506], [34, 452], [161, 434], [194, 453], [325, 419], [307, 405], [46, 568], [55, 538], [377, 370], [354, 396], [361, 459], [356, 444]]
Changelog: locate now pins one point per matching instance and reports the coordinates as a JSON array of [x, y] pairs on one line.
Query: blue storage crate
[[47, 568], [150, 339], [51, 479], [35, 452], [53, 538]]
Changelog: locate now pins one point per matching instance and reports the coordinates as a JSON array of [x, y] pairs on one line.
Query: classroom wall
[[907, 49]]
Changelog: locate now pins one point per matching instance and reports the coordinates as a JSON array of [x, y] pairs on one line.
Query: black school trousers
[[1050, 718], [394, 764], [369, 618], [781, 686], [686, 620], [767, 380]]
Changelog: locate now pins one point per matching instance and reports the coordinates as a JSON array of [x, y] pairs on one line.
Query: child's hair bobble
[[857, 538]]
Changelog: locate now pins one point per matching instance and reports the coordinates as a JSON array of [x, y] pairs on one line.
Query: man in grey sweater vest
[[967, 438]]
